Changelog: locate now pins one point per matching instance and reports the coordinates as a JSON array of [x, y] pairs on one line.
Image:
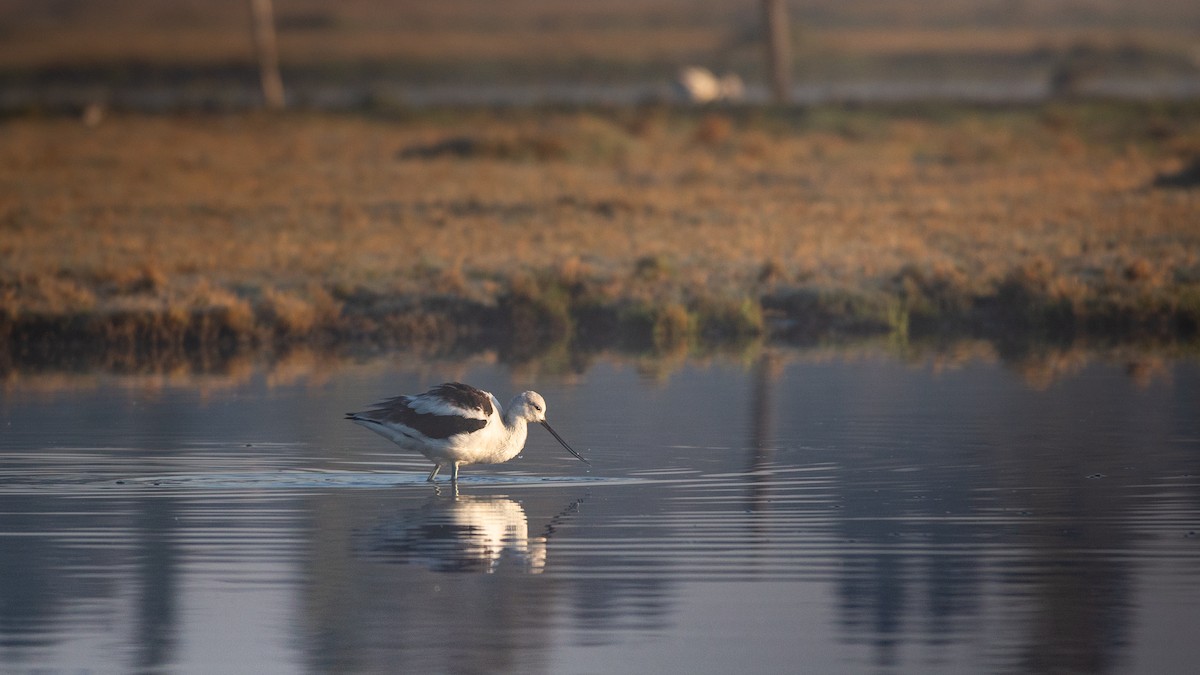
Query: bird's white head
[[530, 406]]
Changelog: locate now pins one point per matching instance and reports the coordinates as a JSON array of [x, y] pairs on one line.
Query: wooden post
[[263, 18], [779, 52]]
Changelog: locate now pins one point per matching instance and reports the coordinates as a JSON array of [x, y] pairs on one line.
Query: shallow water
[[789, 515]]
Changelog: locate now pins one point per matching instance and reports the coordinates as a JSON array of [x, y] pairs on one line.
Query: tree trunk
[[263, 18], [779, 52]]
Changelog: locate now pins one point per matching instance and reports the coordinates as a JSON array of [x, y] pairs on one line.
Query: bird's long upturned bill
[[564, 443]]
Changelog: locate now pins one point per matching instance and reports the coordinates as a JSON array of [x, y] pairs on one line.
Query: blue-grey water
[[791, 512]]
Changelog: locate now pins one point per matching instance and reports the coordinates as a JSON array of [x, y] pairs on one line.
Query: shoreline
[[642, 227], [520, 326]]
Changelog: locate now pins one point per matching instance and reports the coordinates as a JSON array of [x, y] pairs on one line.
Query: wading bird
[[454, 424]]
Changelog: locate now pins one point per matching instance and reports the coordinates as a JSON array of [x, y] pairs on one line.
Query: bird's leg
[[454, 476], [433, 474]]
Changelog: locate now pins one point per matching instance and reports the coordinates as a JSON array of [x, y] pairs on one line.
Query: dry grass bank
[[643, 227]]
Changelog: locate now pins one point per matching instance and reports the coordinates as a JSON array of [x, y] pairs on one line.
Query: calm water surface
[[786, 515]]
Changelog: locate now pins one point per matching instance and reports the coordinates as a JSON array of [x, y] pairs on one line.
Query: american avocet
[[454, 424]]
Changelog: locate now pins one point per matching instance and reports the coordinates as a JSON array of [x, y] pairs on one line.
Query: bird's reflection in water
[[459, 533]]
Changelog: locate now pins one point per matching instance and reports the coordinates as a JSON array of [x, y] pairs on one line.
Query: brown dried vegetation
[[648, 227]]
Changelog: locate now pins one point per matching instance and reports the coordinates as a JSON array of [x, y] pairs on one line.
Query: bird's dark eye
[[537, 407]]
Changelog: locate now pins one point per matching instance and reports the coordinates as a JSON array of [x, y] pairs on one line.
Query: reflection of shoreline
[[1039, 365], [459, 534]]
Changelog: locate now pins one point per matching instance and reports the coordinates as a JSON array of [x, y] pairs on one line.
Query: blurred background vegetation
[[1052, 195], [371, 47]]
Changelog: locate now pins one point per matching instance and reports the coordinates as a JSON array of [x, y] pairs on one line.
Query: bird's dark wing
[[437, 414], [462, 396]]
